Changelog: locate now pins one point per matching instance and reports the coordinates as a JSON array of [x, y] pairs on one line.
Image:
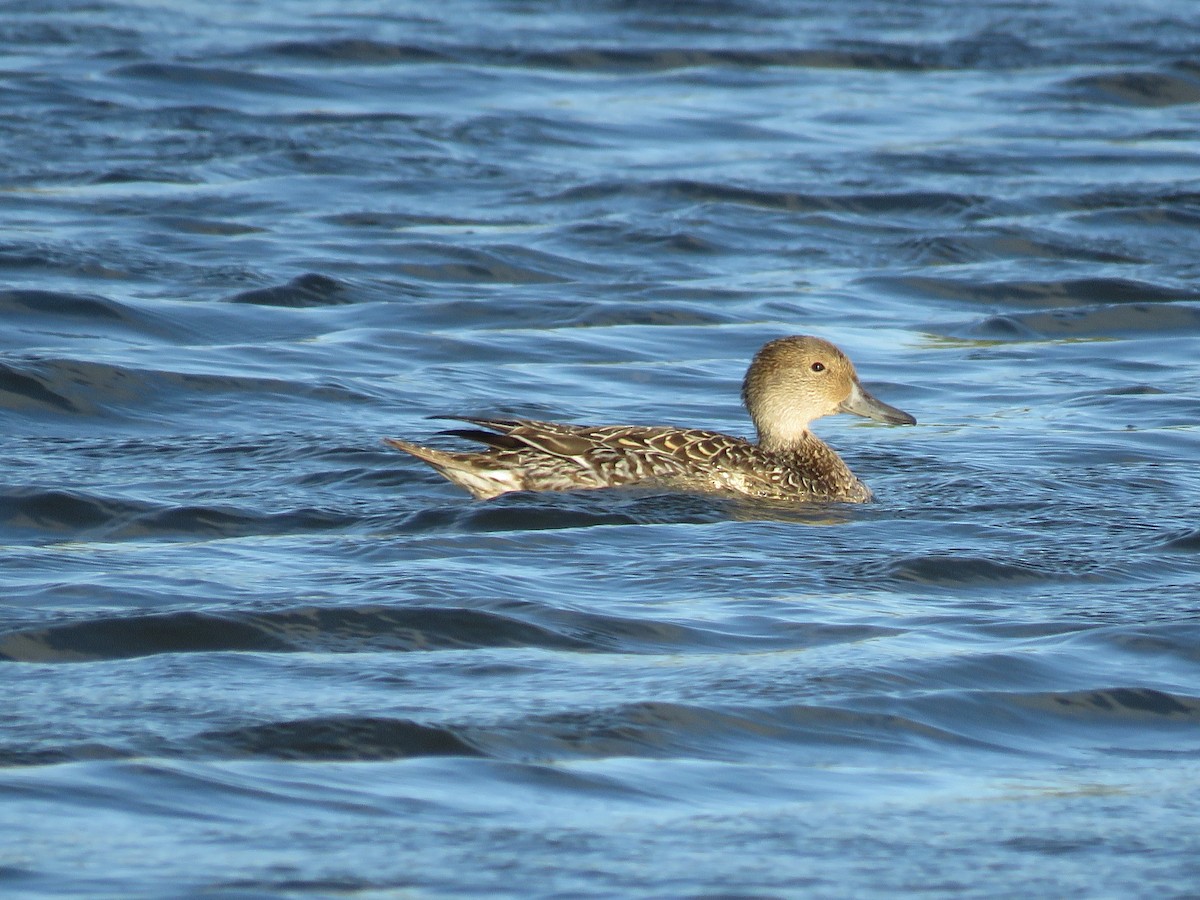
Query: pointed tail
[[472, 471]]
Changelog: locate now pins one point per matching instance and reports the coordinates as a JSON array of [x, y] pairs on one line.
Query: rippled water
[[251, 651]]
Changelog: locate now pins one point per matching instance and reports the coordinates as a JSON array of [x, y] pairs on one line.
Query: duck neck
[[818, 461]]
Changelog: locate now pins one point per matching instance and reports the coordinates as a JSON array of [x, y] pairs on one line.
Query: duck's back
[[555, 456], [552, 456]]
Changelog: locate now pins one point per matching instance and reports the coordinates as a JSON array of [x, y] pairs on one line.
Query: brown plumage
[[790, 382]]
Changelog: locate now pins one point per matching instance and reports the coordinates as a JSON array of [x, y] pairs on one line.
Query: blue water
[[250, 651]]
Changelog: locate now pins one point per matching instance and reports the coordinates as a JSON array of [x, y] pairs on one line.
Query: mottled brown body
[[785, 388]]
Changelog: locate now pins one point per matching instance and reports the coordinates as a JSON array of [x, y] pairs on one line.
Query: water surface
[[248, 650]]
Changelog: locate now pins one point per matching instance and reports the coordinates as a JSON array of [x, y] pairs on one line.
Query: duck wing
[[557, 454]]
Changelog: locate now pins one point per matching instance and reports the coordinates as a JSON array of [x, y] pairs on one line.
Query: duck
[[791, 382]]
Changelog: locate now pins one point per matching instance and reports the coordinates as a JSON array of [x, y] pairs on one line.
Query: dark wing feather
[[545, 437], [502, 425], [490, 438]]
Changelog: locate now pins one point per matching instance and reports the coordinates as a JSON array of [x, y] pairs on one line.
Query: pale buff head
[[794, 380]]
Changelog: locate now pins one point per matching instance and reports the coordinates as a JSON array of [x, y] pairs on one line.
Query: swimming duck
[[790, 382]]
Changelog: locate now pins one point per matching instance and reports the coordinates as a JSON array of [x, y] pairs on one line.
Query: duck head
[[794, 380]]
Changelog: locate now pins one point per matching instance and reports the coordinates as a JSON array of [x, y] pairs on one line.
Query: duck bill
[[863, 404]]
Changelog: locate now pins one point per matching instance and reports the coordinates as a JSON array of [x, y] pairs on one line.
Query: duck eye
[[818, 367]]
